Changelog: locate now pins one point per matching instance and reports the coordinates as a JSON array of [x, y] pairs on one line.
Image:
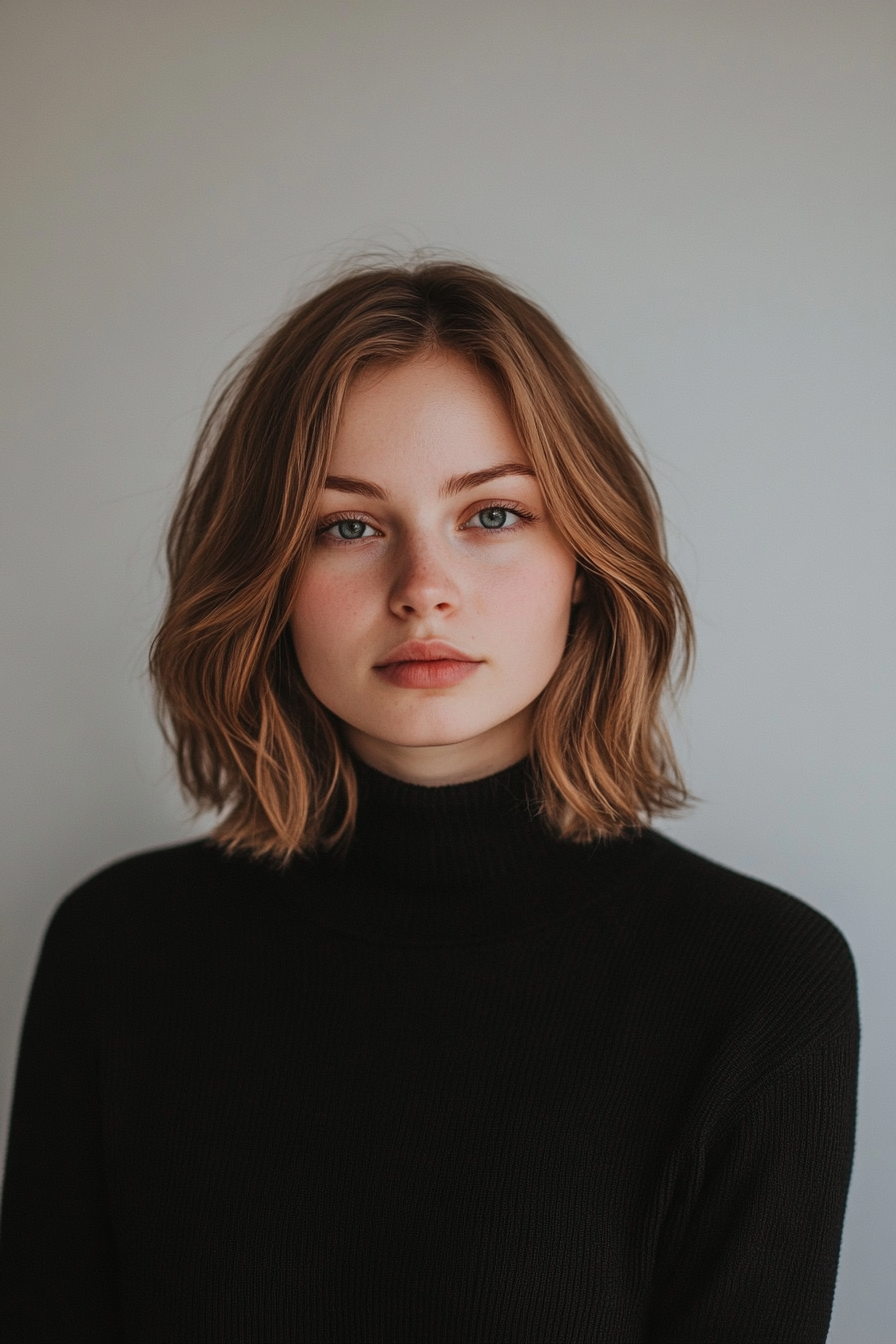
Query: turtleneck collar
[[450, 863]]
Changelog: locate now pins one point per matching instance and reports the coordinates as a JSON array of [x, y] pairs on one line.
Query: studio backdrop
[[701, 192]]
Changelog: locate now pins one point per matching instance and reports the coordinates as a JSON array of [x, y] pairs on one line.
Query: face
[[435, 605]]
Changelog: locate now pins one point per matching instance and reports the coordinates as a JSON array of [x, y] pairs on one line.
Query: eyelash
[[524, 516]]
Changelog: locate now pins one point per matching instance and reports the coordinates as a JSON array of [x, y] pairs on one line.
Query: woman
[[434, 1039]]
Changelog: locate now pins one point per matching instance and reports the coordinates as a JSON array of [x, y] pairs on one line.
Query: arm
[[57, 1254], [753, 1253]]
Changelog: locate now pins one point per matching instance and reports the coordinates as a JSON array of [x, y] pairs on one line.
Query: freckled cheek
[[532, 602], [327, 617]]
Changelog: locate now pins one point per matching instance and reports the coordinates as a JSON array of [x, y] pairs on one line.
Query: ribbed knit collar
[[452, 863]]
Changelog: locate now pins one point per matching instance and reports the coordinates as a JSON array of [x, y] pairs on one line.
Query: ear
[[578, 588]]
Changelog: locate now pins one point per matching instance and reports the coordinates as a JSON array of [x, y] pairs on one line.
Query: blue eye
[[499, 518], [493, 518], [349, 529]]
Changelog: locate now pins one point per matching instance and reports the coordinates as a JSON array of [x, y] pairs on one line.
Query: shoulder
[[752, 960], [160, 892], [742, 912], [692, 881]]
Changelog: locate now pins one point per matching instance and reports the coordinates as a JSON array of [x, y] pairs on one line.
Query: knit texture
[[461, 1083]]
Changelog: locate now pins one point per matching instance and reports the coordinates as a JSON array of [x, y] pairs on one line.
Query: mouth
[[420, 664]]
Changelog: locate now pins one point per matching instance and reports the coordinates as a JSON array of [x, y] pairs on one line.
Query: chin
[[429, 730]]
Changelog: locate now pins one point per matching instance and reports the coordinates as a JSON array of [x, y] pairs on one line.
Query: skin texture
[[425, 566]]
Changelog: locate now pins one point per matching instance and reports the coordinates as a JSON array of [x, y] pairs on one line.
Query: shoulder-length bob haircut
[[249, 737]]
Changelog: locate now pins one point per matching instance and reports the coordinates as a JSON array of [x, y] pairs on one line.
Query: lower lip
[[420, 675]]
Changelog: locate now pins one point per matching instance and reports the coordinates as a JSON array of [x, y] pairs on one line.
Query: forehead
[[431, 414]]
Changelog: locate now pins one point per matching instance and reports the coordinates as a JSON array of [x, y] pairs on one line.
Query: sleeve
[[57, 1255], [754, 1253]]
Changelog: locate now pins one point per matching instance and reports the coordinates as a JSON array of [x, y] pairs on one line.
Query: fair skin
[[435, 604]]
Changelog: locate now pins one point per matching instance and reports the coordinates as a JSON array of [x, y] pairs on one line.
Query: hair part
[[249, 737]]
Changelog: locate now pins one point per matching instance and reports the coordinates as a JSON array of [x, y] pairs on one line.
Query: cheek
[[531, 604], [326, 613]]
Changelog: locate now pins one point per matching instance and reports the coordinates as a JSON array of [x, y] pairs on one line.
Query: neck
[[436, 764], [446, 864], [463, 836]]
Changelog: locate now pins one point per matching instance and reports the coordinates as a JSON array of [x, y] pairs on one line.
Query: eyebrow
[[455, 485]]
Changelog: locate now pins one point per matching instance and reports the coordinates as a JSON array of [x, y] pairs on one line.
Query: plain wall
[[701, 193]]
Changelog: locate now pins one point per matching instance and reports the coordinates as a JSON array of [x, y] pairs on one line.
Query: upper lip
[[425, 651]]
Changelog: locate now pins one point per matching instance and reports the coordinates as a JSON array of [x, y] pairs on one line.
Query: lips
[[425, 651], [422, 664]]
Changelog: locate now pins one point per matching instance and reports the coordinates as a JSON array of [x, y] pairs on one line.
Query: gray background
[[701, 193]]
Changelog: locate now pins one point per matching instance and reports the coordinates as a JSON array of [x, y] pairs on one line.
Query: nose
[[423, 582]]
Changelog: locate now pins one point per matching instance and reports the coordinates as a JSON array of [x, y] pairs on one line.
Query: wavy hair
[[249, 738]]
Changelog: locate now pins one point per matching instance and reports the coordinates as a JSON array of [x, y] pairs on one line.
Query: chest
[[367, 1144]]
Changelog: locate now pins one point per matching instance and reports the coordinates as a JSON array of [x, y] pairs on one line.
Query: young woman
[[433, 1039]]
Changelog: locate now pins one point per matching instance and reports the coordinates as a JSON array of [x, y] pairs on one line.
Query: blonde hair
[[249, 737]]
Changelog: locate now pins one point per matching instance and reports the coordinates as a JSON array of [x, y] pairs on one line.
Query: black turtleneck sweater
[[464, 1085]]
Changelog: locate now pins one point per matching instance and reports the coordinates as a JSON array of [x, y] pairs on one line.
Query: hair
[[249, 737]]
